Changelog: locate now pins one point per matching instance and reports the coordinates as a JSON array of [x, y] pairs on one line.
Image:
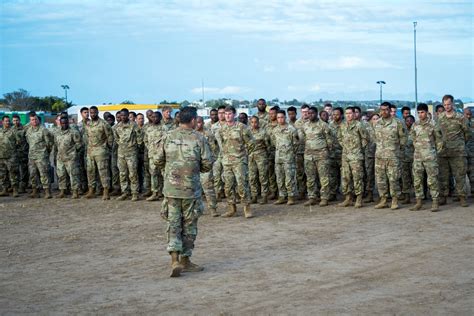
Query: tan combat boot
[[247, 211], [106, 195], [90, 194], [61, 195], [47, 193], [15, 192], [123, 197], [34, 193], [358, 203], [347, 201], [291, 201], [264, 200], [176, 267], [324, 202], [153, 197], [394, 205], [188, 266], [134, 197], [310, 202], [435, 206], [418, 206], [462, 201], [406, 198], [214, 212], [369, 198], [75, 194], [382, 203], [281, 200], [231, 212], [253, 200]]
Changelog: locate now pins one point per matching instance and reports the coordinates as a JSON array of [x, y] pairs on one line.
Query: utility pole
[[416, 71], [65, 87], [380, 83]]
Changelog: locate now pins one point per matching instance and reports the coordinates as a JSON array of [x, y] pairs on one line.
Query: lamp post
[[416, 75], [65, 87], [380, 83]]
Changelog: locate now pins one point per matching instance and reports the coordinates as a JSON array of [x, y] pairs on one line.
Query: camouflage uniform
[[353, 139], [128, 138], [183, 154], [390, 139], [233, 140], [143, 166], [455, 132], [427, 141], [82, 154], [263, 119], [153, 137], [407, 165], [258, 163], [470, 154], [9, 142], [68, 143], [207, 178], [285, 139], [40, 143], [218, 168], [335, 156], [167, 126], [318, 140], [99, 138], [301, 177], [370, 160], [22, 154], [273, 186], [115, 172]]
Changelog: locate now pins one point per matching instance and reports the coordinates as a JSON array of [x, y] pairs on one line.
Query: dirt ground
[[95, 257]]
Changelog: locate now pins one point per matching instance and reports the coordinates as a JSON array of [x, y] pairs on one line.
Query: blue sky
[[147, 51]]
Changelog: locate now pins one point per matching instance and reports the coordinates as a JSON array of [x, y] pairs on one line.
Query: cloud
[[341, 63], [227, 90]]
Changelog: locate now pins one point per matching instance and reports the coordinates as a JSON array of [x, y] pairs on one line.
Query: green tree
[[19, 100], [127, 102]]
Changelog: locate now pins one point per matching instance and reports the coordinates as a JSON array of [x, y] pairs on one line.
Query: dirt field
[[95, 257]]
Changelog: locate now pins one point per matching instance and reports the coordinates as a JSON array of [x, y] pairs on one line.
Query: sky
[[149, 51]]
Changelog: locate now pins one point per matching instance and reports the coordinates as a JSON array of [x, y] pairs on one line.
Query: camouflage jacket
[[286, 141], [98, 138], [299, 124], [409, 148], [270, 128], [336, 152], [211, 141], [317, 138], [234, 141], [427, 140], [262, 143], [128, 137], [152, 139], [470, 143], [390, 138], [9, 141], [167, 126], [263, 119], [40, 142], [353, 139], [22, 148], [183, 154], [214, 129], [68, 143], [455, 132], [371, 146]]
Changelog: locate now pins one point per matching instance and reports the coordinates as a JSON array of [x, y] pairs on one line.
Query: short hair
[[221, 107], [291, 109], [304, 106], [448, 96], [187, 114], [140, 114], [439, 106], [338, 109], [393, 106], [410, 116], [405, 108], [16, 116], [32, 114], [160, 116], [166, 108], [386, 103], [328, 105], [351, 108], [245, 114], [313, 108], [124, 110], [84, 109], [261, 99], [355, 107], [281, 112], [275, 108], [5, 117], [255, 117], [372, 115], [213, 110], [423, 107], [230, 108], [93, 108], [63, 118], [133, 113], [110, 116]]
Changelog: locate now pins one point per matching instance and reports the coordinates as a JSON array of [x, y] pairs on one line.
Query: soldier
[[213, 119], [370, 158], [207, 178], [183, 154], [405, 113], [353, 139], [390, 139], [300, 164], [455, 130], [285, 139], [114, 172], [262, 113], [153, 137], [291, 111], [244, 118], [22, 154], [335, 154], [40, 143], [218, 168], [9, 141], [324, 116], [128, 138], [84, 112], [143, 167], [318, 141], [407, 161], [270, 126], [168, 123], [427, 141], [258, 161], [328, 109], [235, 138], [68, 143], [470, 148], [98, 141], [132, 117]]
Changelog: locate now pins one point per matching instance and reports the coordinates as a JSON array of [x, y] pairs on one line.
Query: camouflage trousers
[[334, 175], [407, 176], [207, 183], [387, 174], [127, 165], [286, 179], [9, 172], [143, 171], [432, 170], [352, 172], [82, 163], [458, 166], [370, 174], [114, 171], [23, 172], [218, 172], [300, 173], [237, 173], [40, 166], [470, 172], [100, 163], [272, 182], [258, 174], [156, 178], [68, 171], [182, 217], [317, 169]]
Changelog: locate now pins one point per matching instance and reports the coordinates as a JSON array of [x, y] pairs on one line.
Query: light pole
[[380, 83], [416, 75], [65, 87]]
